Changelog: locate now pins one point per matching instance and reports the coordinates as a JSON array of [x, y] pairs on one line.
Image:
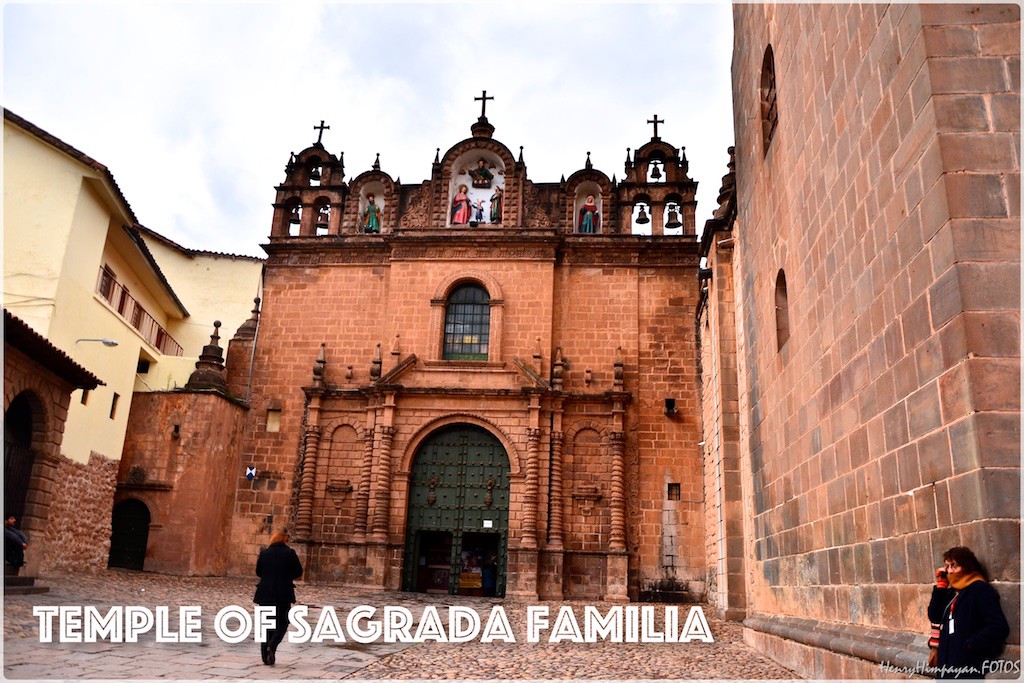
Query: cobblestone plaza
[[27, 658]]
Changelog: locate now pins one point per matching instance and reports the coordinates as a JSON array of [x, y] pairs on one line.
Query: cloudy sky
[[195, 108]]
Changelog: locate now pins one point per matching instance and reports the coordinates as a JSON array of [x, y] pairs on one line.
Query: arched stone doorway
[[18, 455], [457, 527], [129, 534]]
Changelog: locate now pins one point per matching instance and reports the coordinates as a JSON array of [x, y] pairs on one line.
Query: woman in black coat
[[278, 566], [968, 625]]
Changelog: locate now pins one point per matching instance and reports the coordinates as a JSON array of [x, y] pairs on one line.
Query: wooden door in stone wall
[[18, 456], [457, 527], [129, 534]]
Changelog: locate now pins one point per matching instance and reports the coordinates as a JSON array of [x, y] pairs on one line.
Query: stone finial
[[247, 330], [589, 164], [341, 164], [437, 156], [538, 353], [520, 160], [209, 372], [558, 370], [618, 368], [375, 366], [376, 162], [588, 377], [348, 372], [629, 162], [319, 366], [396, 349]]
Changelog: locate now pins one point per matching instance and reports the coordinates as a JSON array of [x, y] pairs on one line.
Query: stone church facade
[[482, 384], [434, 394]]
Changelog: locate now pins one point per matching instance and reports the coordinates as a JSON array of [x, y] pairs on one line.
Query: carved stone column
[[556, 491], [363, 494], [531, 497], [617, 443], [382, 509], [304, 518]]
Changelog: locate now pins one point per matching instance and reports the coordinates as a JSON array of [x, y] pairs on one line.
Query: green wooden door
[[457, 526]]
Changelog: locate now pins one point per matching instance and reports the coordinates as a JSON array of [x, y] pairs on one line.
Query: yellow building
[[79, 270]]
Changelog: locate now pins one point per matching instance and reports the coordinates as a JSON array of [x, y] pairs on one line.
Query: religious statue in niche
[[496, 202], [478, 208], [590, 219], [371, 216], [461, 207], [481, 176]]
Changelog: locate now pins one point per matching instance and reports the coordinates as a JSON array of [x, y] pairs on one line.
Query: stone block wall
[[181, 458], [886, 429], [589, 301], [78, 533]]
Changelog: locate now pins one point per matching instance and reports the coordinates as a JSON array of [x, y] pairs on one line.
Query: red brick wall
[[352, 299], [887, 428], [190, 476], [67, 511]]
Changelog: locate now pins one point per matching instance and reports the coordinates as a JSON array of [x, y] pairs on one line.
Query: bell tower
[[311, 199], [657, 189]]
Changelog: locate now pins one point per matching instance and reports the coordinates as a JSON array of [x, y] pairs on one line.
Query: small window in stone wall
[[274, 420], [769, 103], [781, 310], [143, 367], [675, 492]]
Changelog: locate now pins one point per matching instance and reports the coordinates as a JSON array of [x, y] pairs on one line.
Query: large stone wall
[[181, 458], [78, 533], [887, 428], [589, 302]]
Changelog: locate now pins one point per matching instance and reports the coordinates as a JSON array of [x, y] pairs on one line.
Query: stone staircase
[[20, 585]]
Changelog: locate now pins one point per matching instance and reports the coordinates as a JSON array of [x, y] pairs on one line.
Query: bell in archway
[[673, 219], [642, 217], [293, 215], [314, 174], [655, 171], [322, 217]]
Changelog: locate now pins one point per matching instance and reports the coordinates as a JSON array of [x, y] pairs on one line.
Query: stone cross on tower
[[655, 121], [483, 104], [321, 128]]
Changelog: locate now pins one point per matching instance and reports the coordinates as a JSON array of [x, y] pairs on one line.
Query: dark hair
[[965, 557]]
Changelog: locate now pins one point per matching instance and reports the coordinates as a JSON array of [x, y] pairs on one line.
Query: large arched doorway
[[18, 456], [457, 528], [129, 534]]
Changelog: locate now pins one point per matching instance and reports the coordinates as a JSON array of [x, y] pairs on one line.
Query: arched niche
[[673, 212], [322, 211], [585, 190], [378, 191], [292, 217], [657, 169], [641, 210], [314, 171], [466, 169]]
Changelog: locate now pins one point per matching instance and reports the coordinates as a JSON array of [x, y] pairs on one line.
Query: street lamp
[[105, 342]]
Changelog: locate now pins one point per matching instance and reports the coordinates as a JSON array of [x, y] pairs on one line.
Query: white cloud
[[195, 108]]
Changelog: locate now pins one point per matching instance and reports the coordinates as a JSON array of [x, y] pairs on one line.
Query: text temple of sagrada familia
[[489, 384]]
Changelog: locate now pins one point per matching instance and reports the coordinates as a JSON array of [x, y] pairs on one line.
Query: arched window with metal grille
[[467, 323]]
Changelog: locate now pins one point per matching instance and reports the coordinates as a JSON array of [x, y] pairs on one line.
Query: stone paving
[[27, 658]]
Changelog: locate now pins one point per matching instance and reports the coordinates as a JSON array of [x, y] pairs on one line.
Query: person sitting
[[15, 544]]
